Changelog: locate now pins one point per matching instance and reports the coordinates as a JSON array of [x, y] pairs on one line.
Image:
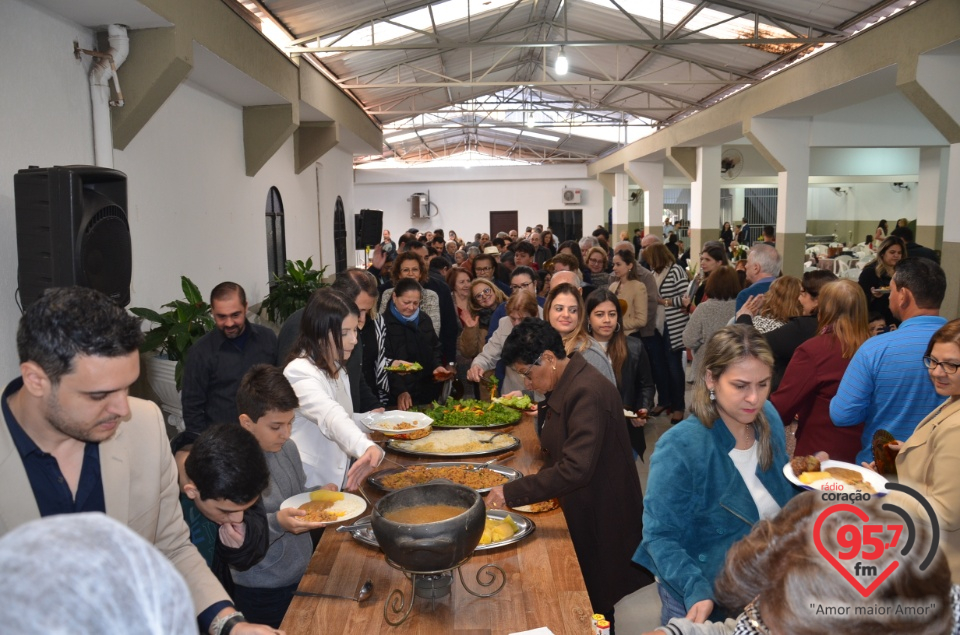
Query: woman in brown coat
[[589, 464]]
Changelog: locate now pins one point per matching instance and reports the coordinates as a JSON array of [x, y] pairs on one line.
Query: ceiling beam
[[426, 45]]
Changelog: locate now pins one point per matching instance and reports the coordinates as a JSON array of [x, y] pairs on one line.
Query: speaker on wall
[[72, 229], [368, 228]]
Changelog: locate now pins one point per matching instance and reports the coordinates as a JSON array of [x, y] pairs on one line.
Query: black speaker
[[72, 230], [368, 228]]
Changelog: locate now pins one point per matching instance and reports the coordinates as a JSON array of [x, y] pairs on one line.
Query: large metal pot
[[430, 546]]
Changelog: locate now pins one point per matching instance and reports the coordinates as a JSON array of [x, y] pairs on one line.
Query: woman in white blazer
[[325, 428]]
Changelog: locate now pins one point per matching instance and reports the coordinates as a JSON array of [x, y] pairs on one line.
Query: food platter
[[509, 473], [470, 413], [363, 532], [352, 506], [878, 482], [388, 422], [415, 448]]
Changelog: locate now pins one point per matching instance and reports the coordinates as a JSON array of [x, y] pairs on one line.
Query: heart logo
[[865, 591]]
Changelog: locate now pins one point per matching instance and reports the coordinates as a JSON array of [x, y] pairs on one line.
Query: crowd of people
[[602, 336]]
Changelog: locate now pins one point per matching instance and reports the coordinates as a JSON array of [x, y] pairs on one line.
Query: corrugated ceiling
[[455, 70]]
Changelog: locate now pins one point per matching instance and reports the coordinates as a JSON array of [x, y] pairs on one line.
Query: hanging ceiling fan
[[731, 164]]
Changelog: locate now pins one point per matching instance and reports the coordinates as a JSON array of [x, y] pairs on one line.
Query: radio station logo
[[866, 551]]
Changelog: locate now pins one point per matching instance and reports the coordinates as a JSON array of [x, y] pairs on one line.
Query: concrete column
[[931, 196], [951, 236], [621, 205], [785, 144], [649, 176], [705, 198], [739, 199]]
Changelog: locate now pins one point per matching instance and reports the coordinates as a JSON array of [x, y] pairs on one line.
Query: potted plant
[[290, 292], [176, 330]]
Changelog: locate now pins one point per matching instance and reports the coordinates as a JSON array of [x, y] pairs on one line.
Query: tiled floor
[[639, 612]]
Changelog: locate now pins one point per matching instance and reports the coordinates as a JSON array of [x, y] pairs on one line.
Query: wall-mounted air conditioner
[[571, 195]]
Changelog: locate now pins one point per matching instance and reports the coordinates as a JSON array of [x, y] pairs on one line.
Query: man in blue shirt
[[763, 267], [886, 384]]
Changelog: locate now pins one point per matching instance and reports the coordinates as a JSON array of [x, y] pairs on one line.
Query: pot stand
[[433, 585]]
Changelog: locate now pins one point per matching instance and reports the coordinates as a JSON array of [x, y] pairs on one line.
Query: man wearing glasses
[[886, 384]]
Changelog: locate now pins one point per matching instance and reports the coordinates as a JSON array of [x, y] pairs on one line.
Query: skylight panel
[[381, 32], [412, 135], [674, 11]]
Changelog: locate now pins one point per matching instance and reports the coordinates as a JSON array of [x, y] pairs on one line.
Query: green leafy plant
[[290, 292], [179, 328]]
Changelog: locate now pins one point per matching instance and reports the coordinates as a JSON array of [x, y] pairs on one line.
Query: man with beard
[[73, 441], [220, 359]]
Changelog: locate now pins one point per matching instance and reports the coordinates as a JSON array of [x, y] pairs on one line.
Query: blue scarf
[[413, 319]]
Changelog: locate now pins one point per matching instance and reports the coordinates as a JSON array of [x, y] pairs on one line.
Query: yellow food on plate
[[326, 495], [809, 477], [498, 530]]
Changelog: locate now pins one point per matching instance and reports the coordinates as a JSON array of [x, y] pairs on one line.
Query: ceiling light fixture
[[562, 64]]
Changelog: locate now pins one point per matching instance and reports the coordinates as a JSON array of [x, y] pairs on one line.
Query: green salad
[[519, 403], [405, 368], [469, 413]]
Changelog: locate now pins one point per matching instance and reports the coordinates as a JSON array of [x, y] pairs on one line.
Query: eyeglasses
[[595, 261], [483, 269], [482, 294], [948, 367], [520, 287], [526, 373]]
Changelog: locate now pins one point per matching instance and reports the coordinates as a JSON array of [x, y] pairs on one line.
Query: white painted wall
[[192, 209], [194, 212], [863, 201], [45, 101], [465, 198]]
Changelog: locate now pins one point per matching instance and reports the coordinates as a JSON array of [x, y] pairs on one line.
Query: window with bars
[[276, 235]]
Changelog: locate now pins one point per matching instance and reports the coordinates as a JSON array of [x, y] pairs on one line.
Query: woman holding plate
[[589, 463], [929, 460]]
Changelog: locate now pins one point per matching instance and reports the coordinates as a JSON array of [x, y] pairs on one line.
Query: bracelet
[[223, 625]]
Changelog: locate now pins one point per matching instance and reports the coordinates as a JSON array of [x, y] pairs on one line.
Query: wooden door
[[502, 222]]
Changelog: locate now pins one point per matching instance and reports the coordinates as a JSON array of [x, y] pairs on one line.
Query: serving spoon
[[361, 595]]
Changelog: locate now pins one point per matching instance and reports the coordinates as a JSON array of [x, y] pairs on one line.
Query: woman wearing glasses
[[484, 298], [929, 460], [410, 265], [814, 373], [588, 466], [519, 306], [597, 264]]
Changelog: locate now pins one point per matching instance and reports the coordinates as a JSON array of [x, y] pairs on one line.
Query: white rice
[[454, 441]]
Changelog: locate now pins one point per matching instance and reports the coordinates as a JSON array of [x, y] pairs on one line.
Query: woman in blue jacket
[[714, 475]]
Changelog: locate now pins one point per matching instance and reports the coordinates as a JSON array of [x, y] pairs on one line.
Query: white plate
[[629, 414], [878, 482], [351, 504], [387, 422]]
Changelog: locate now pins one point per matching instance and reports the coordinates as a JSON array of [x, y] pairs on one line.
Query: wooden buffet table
[[544, 586]]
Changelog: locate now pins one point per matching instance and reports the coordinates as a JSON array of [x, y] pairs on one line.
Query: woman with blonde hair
[[666, 347], [565, 312], [814, 373], [484, 298], [780, 304], [520, 305], [875, 278], [714, 475]]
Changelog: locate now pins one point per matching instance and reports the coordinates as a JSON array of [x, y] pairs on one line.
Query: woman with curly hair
[[411, 265]]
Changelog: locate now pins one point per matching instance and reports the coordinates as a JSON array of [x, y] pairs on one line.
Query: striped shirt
[[886, 385]]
